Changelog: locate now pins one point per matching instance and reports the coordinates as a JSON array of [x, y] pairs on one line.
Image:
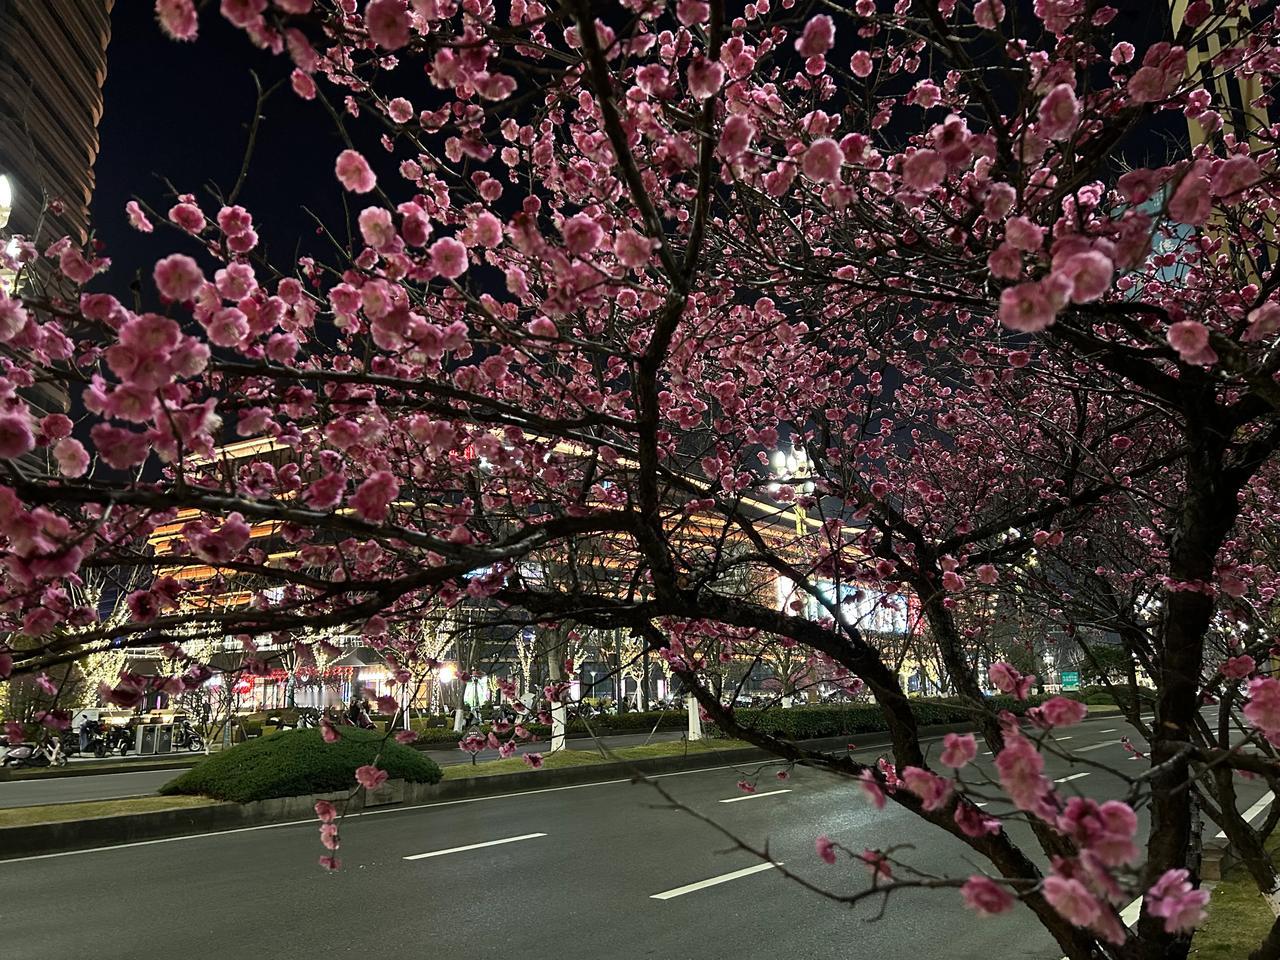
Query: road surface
[[590, 872]]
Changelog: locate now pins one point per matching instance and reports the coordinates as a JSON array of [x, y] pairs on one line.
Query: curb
[[70, 835]]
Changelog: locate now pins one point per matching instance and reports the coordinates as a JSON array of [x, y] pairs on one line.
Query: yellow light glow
[[448, 673]]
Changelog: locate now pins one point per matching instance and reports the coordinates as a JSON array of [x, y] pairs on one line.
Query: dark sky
[[181, 111]]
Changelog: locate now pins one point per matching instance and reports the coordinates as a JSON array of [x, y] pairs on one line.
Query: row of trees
[[603, 260]]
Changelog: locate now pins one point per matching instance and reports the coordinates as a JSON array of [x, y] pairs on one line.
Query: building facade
[[53, 62]]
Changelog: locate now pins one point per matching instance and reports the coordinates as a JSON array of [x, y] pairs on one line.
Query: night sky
[[181, 111]]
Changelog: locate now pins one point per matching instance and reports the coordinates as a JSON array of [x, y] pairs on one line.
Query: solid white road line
[[1060, 739], [1099, 746], [1108, 730], [714, 881], [474, 846], [1074, 776], [752, 796], [1252, 812]]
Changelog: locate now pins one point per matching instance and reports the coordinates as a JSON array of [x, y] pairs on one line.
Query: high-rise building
[[53, 61]]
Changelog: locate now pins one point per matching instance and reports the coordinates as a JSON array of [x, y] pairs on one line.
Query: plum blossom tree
[[614, 256]]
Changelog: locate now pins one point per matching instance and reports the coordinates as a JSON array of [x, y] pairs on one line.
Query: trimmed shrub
[[294, 763], [803, 723]]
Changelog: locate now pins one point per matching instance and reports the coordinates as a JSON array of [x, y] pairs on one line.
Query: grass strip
[[88, 809], [585, 757]]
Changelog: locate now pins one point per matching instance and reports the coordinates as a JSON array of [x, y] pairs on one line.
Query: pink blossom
[[187, 216], [376, 227], [705, 77], [1058, 712], [329, 836], [370, 777], [689, 12], [326, 812], [1173, 898], [178, 277], [1008, 680], [825, 848], [1090, 275], [581, 234], [326, 493], [632, 249], [988, 13], [72, 458], [1122, 52], [243, 13], [1106, 830], [1233, 176], [934, 791], [1027, 307], [823, 161], [1191, 201], [987, 574], [177, 18], [1021, 774], [400, 110], [1189, 338], [534, 760], [735, 137], [16, 435], [303, 85], [234, 220], [137, 218], [973, 823], [877, 863], [924, 170], [1059, 113], [952, 582], [1024, 234], [13, 317], [1239, 668], [860, 64], [330, 863], [1263, 321], [1263, 708], [871, 789], [448, 258], [373, 497], [958, 749], [985, 896], [1072, 900], [543, 326], [818, 37], [388, 23], [354, 172]]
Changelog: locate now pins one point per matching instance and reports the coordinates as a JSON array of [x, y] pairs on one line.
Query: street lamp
[[796, 470]]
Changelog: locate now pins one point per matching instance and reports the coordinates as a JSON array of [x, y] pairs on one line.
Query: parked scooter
[[45, 754], [91, 739], [187, 736], [120, 739]]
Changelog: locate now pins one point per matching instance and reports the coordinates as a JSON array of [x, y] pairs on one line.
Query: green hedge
[[802, 723], [294, 763]]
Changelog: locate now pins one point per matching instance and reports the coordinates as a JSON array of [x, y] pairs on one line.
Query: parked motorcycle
[[49, 753]]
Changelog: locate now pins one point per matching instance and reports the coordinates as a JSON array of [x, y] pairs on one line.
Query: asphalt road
[[133, 783], [591, 872]]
